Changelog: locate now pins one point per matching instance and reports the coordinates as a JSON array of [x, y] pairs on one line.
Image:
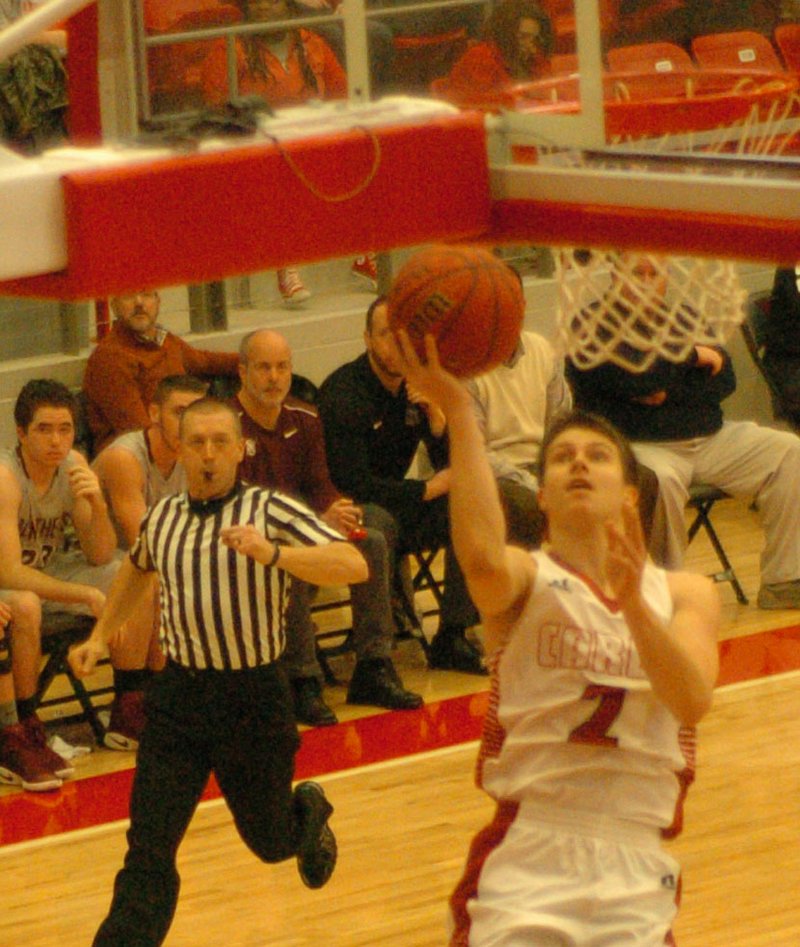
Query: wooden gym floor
[[406, 808]]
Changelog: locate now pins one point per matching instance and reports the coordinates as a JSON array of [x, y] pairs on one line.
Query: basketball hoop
[[608, 311]]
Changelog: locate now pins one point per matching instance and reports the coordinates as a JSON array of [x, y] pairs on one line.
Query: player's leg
[[129, 649], [172, 769], [300, 659], [375, 680], [746, 459], [22, 761], [450, 648], [673, 466]]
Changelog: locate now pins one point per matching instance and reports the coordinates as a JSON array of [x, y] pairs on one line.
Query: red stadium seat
[[650, 57], [742, 49], [564, 64], [787, 36]]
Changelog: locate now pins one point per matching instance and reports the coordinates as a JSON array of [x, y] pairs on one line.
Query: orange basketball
[[467, 298]]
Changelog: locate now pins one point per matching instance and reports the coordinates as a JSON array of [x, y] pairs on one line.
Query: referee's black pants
[[238, 724]]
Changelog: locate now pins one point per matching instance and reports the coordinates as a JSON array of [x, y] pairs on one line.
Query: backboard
[[691, 151]]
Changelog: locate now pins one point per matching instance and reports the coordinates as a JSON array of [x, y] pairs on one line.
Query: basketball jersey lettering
[[571, 648], [595, 730]]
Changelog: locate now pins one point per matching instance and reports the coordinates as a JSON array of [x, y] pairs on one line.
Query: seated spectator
[[514, 405], [628, 22], [373, 426], [518, 40], [123, 370], [284, 448], [725, 16], [173, 71], [140, 467], [57, 543], [672, 413], [782, 340], [285, 67], [135, 471]]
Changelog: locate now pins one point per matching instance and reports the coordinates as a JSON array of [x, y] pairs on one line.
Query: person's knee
[[26, 615]]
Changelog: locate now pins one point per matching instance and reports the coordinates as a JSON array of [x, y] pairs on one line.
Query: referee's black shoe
[[316, 852], [375, 682], [450, 651], [309, 705]]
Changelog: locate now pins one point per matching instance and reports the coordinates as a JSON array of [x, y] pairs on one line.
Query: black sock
[[26, 708], [136, 680]]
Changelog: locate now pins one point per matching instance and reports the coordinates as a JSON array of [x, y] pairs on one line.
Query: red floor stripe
[[84, 803]]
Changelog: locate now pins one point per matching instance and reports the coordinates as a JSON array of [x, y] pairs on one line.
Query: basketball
[[467, 298]]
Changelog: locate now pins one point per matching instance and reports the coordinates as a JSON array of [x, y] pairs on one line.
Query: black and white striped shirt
[[219, 608]]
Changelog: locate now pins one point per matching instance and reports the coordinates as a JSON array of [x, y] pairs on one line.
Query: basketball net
[[609, 312]]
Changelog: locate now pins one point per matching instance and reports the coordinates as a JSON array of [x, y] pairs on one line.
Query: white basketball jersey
[[573, 720], [44, 518]]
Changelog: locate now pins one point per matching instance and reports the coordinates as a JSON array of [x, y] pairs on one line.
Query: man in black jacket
[[672, 412], [373, 426]]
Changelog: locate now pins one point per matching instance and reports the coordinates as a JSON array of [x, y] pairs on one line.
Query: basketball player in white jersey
[[56, 544], [602, 664], [135, 471]]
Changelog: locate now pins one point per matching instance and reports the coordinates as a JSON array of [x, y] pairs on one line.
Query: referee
[[221, 552]]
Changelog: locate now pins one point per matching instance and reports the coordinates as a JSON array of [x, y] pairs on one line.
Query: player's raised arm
[[499, 576]]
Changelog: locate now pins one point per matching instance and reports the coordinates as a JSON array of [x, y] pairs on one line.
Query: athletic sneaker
[[317, 851], [38, 737], [127, 721], [365, 269], [292, 288], [780, 595], [21, 762]]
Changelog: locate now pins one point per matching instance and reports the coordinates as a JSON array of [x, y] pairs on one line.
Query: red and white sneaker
[[127, 721], [292, 288], [365, 269], [38, 737], [21, 762]]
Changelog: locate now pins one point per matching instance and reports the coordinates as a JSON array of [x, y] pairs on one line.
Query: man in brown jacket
[[125, 367]]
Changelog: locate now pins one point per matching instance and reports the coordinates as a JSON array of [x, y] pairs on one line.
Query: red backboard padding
[[201, 217], [729, 236]]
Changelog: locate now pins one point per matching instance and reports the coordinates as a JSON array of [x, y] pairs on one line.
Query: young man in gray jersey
[[135, 471], [57, 543]]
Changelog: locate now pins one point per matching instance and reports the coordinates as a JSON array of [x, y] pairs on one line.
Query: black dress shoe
[[450, 651], [316, 850], [375, 682], [309, 707]]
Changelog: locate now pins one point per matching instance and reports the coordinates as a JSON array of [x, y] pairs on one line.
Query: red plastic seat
[[743, 49], [787, 36], [650, 57]]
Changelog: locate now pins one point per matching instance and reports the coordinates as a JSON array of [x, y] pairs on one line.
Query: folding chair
[[743, 49], [60, 632], [753, 329], [702, 498]]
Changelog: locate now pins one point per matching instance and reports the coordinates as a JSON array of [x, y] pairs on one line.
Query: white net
[[632, 308]]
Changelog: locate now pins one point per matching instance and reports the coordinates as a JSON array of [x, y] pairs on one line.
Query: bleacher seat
[[743, 49], [787, 38]]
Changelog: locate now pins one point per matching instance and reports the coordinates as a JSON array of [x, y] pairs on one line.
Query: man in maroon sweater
[[285, 448], [125, 367]]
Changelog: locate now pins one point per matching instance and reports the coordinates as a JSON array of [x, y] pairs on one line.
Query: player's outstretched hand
[[427, 378], [627, 554]]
